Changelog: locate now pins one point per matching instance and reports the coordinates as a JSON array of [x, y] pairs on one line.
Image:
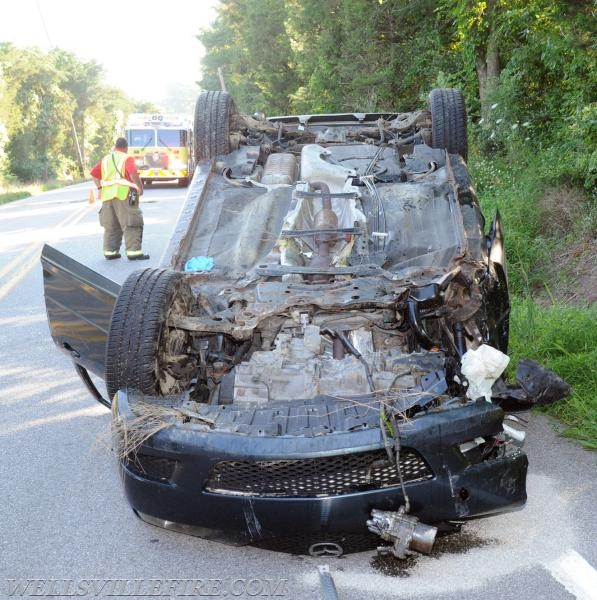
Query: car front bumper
[[290, 492]]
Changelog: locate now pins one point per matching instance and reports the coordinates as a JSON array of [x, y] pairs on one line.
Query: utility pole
[[72, 121], [80, 155], [222, 82]]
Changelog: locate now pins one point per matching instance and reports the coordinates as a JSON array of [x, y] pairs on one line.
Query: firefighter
[[119, 184]]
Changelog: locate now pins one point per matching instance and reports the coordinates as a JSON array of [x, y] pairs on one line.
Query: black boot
[[138, 257]]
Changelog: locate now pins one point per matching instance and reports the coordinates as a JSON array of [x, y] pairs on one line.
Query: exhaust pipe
[[325, 219]]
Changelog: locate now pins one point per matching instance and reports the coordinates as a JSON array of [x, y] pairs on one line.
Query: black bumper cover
[[456, 490]]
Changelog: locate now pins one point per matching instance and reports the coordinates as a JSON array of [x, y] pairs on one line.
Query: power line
[[72, 121], [43, 22]]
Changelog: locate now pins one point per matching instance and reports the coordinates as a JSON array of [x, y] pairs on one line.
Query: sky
[[145, 47]]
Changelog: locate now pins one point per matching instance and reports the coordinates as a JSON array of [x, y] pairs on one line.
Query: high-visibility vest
[[113, 182]]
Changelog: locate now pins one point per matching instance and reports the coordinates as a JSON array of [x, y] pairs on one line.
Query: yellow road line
[[29, 256], [33, 246], [24, 269]]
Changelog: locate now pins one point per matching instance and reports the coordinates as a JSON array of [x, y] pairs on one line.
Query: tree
[[311, 56], [83, 81], [35, 124], [488, 35], [249, 45]]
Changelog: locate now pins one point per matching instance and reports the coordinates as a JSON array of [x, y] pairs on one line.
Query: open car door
[[79, 303]]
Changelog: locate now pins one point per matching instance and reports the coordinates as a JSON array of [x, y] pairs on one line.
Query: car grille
[[325, 476], [151, 467]]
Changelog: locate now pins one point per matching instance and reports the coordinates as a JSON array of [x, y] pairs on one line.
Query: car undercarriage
[[321, 362]]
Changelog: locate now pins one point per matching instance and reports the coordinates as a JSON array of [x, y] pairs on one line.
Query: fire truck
[[162, 146]]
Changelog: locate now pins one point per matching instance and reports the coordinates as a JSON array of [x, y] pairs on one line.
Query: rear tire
[[448, 121], [142, 352], [213, 112]]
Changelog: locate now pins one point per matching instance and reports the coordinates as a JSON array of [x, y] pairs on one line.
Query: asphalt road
[[63, 515]]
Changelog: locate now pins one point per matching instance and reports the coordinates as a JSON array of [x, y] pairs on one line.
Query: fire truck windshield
[[172, 138], [141, 138]]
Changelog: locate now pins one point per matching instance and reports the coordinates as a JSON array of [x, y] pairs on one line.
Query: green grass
[[10, 196], [514, 191], [559, 336], [564, 339], [19, 191], [536, 229]]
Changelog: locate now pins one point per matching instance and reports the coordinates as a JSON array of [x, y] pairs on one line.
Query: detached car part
[[404, 531]]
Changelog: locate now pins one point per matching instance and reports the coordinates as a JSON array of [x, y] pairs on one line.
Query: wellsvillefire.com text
[[132, 588]]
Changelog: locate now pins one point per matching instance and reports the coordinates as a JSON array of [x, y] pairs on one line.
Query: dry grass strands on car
[[129, 435]]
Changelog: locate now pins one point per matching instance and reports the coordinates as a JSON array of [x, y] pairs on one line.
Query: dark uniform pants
[[118, 218]]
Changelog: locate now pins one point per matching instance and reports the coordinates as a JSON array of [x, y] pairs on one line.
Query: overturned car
[[319, 362]]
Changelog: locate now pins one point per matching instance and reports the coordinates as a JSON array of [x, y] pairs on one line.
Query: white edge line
[[575, 574]]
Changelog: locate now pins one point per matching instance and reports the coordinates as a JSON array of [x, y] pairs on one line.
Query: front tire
[[142, 351]]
